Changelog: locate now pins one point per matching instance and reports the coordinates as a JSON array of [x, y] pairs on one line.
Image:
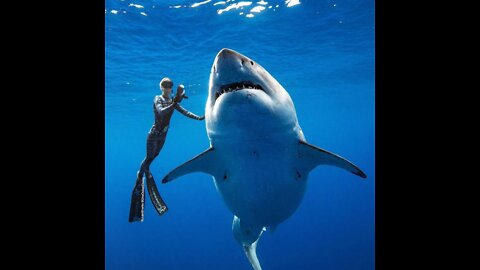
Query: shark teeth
[[237, 86]]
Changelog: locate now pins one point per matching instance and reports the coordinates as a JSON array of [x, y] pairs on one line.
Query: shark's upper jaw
[[232, 87]]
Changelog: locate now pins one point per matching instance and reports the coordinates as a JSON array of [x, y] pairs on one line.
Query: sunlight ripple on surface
[[135, 5], [257, 9], [291, 3], [234, 6], [200, 3]]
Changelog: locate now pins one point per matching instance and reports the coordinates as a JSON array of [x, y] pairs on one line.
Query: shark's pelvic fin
[[311, 156], [204, 162]]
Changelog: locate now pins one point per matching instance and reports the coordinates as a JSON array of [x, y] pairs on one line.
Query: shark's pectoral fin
[[311, 156], [204, 162]]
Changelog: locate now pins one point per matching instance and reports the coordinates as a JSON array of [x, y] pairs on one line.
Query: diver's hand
[[180, 94], [202, 117], [180, 90]]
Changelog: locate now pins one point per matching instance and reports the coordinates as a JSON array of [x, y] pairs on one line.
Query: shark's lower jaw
[[232, 87]]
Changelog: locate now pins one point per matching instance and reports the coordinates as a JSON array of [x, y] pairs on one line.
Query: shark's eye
[[251, 62]]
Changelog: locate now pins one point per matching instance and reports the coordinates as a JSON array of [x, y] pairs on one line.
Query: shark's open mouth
[[231, 87]]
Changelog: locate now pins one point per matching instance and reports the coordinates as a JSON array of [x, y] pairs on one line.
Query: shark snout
[[227, 52], [230, 59], [231, 54], [227, 59]]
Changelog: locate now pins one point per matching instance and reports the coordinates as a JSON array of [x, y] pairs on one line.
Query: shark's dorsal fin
[[203, 162], [311, 156]]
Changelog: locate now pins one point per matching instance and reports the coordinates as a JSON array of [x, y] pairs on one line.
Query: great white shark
[[258, 155]]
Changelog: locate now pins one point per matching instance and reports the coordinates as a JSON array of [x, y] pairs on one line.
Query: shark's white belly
[[261, 185]]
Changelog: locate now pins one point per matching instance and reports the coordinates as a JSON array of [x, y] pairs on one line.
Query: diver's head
[[166, 86]]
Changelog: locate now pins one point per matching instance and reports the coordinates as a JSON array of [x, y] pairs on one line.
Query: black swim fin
[[157, 200], [137, 204]]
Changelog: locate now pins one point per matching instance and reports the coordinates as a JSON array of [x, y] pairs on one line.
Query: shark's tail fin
[[137, 203]]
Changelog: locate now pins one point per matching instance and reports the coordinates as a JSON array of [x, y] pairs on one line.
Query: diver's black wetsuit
[[163, 110]]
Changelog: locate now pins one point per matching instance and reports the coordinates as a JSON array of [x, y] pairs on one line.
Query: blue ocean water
[[322, 52]]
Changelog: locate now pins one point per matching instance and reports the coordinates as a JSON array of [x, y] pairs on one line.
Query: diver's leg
[[137, 204], [152, 152], [155, 197]]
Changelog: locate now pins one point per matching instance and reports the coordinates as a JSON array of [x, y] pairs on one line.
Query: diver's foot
[[137, 204], [155, 197]]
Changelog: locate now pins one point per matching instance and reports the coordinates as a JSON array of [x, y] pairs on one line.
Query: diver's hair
[[165, 82]]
